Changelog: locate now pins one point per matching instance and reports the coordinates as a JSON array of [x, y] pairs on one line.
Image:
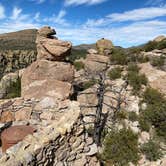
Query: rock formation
[[104, 46], [49, 47], [159, 38], [49, 76]]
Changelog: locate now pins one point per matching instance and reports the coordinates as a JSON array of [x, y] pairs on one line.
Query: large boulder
[[49, 47], [95, 63], [104, 46], [47, 79], [13, 135], [44, 69]]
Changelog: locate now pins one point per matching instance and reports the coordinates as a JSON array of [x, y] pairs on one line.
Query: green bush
[[132, 116], [133, 68], [151, 45], [89, 84], [155, 113], [118, 57], [151, 150], [152, 96], [158, 61], [78, 65], [121, 147], [14, 90], [120, 115], [136, 80], [77, 54], [115, 73], [144, 124]]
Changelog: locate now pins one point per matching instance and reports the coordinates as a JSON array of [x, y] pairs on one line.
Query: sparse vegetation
[[132, 116], [120, 148], [151, 150], [158, 61], [115, 73], [133, 68], [151, 45], [14, 90], [76, 54], [118, 57], [78, 65], [89, 84], [120, 115], [155, 113], [136, 80]]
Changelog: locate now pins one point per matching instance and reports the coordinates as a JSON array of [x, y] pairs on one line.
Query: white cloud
[[139, 14], [58, 19], [2, 12], [38, 1], [16, 13], [155, 3], [80, 2]]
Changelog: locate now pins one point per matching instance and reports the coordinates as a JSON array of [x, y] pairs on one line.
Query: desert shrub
[[152, 96], [161, 45], [133, 67], [78, 65], [155, 113], [132, 116], [118, 57], [120, 115], [151, 45], [14, 90], [144, 124], [121, 147], [115, 73], [158, 61], [136, 80], [151, 150], [76, 54], [89, 84]]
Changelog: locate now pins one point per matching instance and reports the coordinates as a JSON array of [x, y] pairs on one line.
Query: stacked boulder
[[98, 60], [49, 77]]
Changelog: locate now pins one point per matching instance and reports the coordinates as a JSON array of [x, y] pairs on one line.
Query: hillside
[[21, 40]]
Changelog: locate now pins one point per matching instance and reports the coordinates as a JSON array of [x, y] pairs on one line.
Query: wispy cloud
[[81, 2], [156, 3], [58, 19], [2, 12], [141, 14], [38, 1]]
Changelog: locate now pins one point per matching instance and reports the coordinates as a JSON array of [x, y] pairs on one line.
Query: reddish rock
[[14, 134], [6, 116]]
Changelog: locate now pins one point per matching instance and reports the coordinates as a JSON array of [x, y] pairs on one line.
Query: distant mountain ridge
[[20, 40]]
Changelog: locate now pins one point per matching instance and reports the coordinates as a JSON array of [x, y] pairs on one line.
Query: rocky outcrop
[[104, 46], [159, 38], [156, 78], [49, 76], [49, 47]]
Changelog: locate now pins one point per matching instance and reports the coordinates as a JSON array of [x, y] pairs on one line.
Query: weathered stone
[[23, 114], [95, 63], [47, 116], [93, 150], [7, 116], [13, 135]]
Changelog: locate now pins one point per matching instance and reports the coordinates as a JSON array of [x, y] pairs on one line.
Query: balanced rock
[[104, 46], [49, 47]]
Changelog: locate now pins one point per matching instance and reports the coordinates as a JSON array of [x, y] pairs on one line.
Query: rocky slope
[[106, 107]]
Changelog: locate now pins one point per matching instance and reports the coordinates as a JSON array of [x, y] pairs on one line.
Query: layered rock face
[[49, 76]]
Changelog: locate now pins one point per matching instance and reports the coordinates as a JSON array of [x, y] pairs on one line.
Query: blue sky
[[125, 22]]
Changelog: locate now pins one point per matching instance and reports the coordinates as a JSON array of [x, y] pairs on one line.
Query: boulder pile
[[49, 77]]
